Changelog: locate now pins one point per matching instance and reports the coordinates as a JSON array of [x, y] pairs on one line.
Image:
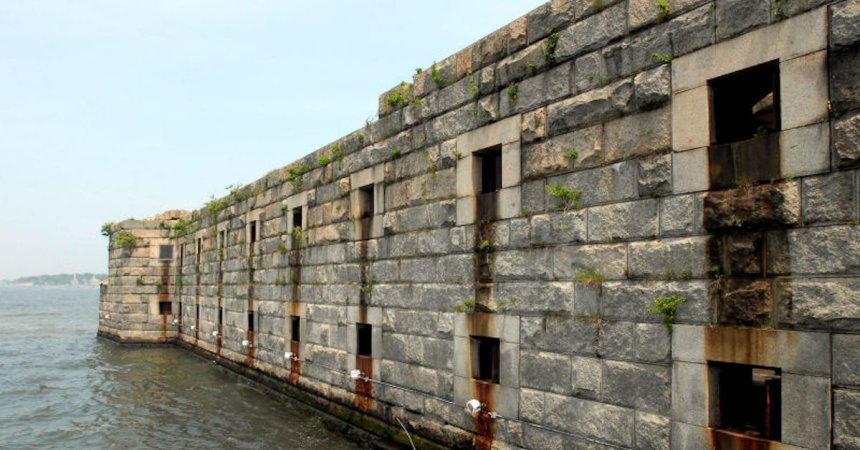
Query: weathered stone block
[[611, 423], [537, 90], [690, 171], [806, 422], [652, 342], [592, 31], [521, 64], [846, 141], [610, 260], [829, 198], [823, 303], [558, 227], [846, 427], [592, 106], [693, 30], [641, 386], [601, 184], [689, 393], [630, 300], [736, 16], [652, 88], [637, 135], [754, 206], [535, 297], [844, 24], [846, 360], [587, 376], [691, 124], [830, 250], [803, 83], [623, 221], [534, 125], [550, 16], [652, 431], [565, 335], [545, 371], [655, 259], [805, 150], [617, 340], [845, 79], [680, 215]]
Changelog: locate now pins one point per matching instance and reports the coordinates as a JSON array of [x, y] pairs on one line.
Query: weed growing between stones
[[670, 275], [395, 153], [473, 85], [399, 96], [549, 46], [182, 228], [107, 229], [591, 277], [571, 154], [214, 206], [565, 197], [663, 9], [437, 78], [512, 91], [468, 305], [667, 307], [282, 248], [139, 280], [484, 246], [124, 239], [323, 160], [661, 58]]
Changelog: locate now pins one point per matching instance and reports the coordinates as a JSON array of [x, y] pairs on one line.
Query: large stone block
[[736, 16], [532, 297], [645, 12], [845, 24], [598, 420], [600, 185], [548, 17], [637, 135], [804, 81], [592, 31], [805, 150], [558, 227], [846, 141], [630, 300], [653, 342], [537, 90], [845, 79], [764, 205], [652, 431], [846, 360], [690, 393], [617, 340], [806, 422], [692, 30], [610, 260], [530, 264], [827, 250], [681, 215], [557, 334], [846, 427], [545, 371], [641, 386], [593, 106], [623, 221], [822, 303], [829, 198]]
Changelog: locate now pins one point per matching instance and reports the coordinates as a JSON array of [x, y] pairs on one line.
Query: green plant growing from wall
[[512, 91], [368, 285], [667, 306], [473, 85], [282, 248], [238, 194], [687, 275], [107, 229], [468, 305], [564, 196], [182, 228], [456, 154], [663, 9], [323, 160], [571, 154], [591, 277], [337, 153], [139, 280], [436, 76], [597, 5], [532, 68], [395, 153], [124, 239], [661, 57], [294, 177], [484, 245], [549, 46], [399, 96], [214, 206], [418, 70], [297, 234], [503, 305]]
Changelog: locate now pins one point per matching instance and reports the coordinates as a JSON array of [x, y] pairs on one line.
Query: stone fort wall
[[525, 220]]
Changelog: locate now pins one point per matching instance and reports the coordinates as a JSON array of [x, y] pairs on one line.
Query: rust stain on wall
[[364, 389]]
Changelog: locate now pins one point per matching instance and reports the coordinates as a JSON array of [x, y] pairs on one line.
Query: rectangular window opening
[[253, 231], [748, 399], [485, 358], [365, 339], [196, 312], [745, 116], [365, 201], [295, 329], [199, 249], [251, 321], [297, 218], [165, 252], [490, 162], [164, 308], [222, 239], [181, 255], [220, 317]]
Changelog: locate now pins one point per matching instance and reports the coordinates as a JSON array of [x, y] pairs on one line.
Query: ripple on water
[[62, 388]]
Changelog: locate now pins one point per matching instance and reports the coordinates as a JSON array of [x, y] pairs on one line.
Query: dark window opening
[[251, 321], [745, 117], [748, 399], [297, 218], [491, 169], [180, 312], [181, 255], [365, 339], [196, 313], [485, 358], [164, 308], [295, 328], [222, 239], [165, 252], [365, 201], [199, 249], [253, 231], [220, 317]]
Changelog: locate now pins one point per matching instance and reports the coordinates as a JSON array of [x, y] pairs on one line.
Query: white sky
[[112, 109]]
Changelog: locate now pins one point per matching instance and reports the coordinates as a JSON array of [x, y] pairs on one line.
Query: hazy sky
[[113, 109]]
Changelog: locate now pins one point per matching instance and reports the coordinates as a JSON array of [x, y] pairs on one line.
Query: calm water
[[60, 387]]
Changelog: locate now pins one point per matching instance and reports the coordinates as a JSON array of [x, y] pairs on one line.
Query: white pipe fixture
[[474, 407], [246, 343], [290, 356], [214, 334], [356, 374], [175, 321], [193, 327]]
